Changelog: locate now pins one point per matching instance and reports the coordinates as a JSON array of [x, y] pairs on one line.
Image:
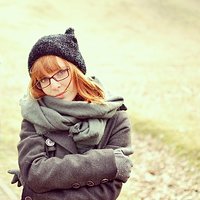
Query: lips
[[60, 96]]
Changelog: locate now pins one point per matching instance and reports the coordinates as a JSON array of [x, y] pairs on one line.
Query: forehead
[[48, 65]]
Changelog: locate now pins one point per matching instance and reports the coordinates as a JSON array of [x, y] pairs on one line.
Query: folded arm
[[45, 175]]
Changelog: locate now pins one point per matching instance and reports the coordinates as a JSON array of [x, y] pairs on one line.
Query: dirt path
[[159, 175]]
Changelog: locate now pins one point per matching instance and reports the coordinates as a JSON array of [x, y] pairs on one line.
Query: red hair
[[87, 89]]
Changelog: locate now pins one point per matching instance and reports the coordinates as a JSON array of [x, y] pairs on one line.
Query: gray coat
[[53, 169]]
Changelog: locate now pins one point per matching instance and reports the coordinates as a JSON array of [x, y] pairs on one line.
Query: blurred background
[[145, 50]]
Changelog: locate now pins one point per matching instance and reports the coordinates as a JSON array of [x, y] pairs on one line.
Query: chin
[[68, 98]]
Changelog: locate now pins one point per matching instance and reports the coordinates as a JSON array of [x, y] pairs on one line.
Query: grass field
[[147, 51]]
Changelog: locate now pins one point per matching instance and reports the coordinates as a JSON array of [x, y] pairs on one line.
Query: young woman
[[75, 138]]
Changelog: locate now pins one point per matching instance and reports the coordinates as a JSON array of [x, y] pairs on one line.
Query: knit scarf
[[85, 122]]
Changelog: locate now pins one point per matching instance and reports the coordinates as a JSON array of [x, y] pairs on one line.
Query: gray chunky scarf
[[85, 122]]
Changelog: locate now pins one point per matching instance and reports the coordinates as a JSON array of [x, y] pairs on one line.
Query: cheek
[[65, 82], [71, 86], [46, 90]]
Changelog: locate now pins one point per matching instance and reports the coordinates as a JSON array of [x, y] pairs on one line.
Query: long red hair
[[87, 89]]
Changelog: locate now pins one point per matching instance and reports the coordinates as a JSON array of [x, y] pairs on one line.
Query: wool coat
[[52, 168]]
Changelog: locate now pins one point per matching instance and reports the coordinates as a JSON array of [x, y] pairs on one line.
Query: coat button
[[76, 185], [105, 180], [49, 142], [28, 198], [90, 183]]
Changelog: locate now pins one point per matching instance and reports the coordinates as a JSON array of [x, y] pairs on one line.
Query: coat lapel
[[63, 139]]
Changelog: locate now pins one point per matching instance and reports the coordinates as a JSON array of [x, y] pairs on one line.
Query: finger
[[11, 171], [19, 183], [127, 151], [14, 180]]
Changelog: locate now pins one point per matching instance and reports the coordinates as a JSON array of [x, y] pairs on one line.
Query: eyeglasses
[[58, 76]]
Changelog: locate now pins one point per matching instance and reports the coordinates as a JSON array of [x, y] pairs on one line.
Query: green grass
[[186, 145]]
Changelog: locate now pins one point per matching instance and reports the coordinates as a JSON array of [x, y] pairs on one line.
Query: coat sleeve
[[120, 134], [44, 174]]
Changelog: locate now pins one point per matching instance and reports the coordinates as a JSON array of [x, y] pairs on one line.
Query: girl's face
[[63, 89], [60, 83]]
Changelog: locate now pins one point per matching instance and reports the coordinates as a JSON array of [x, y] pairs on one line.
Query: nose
[[54, 84]]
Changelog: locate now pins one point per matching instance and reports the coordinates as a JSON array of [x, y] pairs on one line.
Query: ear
[[69, 31]]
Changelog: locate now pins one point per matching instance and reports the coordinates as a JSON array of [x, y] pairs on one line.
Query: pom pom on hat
[[62, 45]]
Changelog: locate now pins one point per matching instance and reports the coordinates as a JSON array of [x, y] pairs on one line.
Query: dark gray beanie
[[62, 45]]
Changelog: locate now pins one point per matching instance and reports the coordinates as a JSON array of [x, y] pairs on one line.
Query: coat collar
[[63, 139]]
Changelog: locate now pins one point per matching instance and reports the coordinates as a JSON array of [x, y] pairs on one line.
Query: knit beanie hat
[[62, 45]]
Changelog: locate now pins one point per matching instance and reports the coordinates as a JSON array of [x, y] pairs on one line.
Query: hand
[[16, 178], [124, 165]]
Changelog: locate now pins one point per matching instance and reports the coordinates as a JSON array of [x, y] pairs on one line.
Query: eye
[[44, 80], [61, 72]]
